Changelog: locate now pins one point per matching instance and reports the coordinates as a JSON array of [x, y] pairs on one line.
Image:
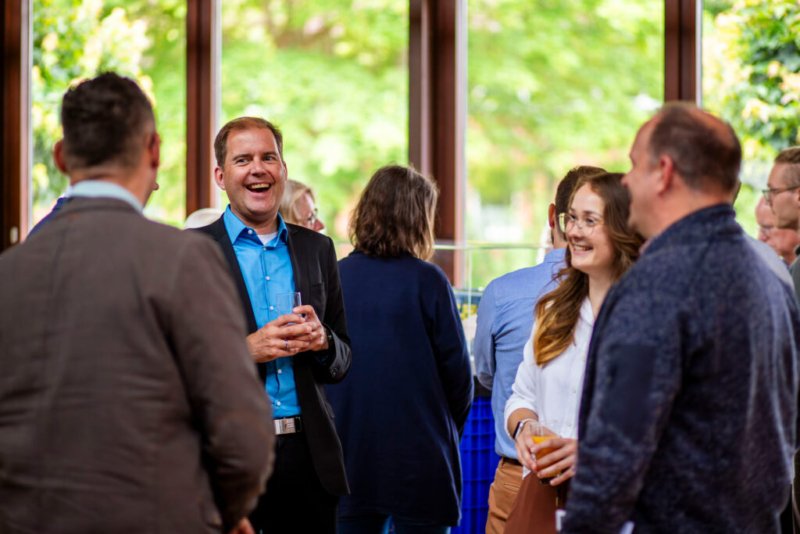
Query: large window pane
[[143, 39], [333, 75], [751, 77], [551, 85]]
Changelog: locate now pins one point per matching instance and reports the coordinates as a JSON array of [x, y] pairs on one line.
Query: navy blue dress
[[401, 409]]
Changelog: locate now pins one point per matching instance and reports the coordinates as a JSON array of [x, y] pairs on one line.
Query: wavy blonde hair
[[557, 312], [291, 195]]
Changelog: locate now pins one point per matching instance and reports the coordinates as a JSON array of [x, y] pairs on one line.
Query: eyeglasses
[[312, 219], [568, 221], [770, 192]]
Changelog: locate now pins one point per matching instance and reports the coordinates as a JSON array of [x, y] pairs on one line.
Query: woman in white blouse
[[549, 381]]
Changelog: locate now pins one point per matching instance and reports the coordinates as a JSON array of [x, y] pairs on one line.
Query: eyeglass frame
[[770, 192], [565, 219], [313, 218]]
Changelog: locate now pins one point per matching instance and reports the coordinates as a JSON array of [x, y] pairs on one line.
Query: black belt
[[512, 461], [288, 425]]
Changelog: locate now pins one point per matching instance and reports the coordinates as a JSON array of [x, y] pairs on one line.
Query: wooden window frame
[[437, 105]]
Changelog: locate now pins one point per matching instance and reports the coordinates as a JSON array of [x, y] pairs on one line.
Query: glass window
[[751, 77], [551, 85], [143, 39], [333, 75]]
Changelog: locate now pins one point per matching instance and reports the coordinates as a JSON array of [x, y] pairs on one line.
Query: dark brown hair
[[104, 120], [395, 214], [704, 149], [243, 123], [557, 312]]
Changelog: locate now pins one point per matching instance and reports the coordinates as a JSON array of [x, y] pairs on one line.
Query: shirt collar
[[234, 226], [556, 255], [103, 188]]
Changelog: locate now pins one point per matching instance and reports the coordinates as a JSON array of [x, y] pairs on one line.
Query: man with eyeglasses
[[783, 196], [783, 241], [688, 419]]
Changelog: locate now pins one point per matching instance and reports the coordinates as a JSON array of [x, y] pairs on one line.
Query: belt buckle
[[287, 425]]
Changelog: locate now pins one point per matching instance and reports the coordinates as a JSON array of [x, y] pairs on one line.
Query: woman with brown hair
[[547, 390], [400, 410]]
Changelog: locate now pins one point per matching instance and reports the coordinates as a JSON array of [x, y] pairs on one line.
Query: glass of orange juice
[[540, 434]]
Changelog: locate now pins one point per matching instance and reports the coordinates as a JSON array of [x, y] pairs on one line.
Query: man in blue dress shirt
[[505, 319], [297, 350]]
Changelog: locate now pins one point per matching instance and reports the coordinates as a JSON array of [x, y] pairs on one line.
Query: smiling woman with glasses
[[541, 414]]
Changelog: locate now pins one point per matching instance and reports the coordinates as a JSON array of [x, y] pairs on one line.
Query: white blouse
[[553, 391]]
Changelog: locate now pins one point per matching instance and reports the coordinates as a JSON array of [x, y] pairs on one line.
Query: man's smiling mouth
[[259, 188]]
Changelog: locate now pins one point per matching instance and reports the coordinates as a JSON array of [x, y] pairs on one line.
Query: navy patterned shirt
[[688, 418]]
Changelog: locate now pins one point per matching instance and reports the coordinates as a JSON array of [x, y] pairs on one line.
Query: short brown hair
[[103, 119], [703, 148], [790, 156], [243, 123], [395, 214]]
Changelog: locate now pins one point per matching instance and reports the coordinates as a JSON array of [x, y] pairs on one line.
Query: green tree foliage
[[333, 76], [551, 84], [752, 79], [77, 39]]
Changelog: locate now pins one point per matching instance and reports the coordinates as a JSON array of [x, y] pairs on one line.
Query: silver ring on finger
[[286, 345]]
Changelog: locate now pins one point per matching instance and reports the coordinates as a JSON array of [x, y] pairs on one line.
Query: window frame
[[437, 104]]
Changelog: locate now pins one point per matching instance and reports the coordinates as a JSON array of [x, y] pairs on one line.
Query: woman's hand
[[559, 459], [525, 446]]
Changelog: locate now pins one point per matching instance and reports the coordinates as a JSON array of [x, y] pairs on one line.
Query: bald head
[[704, 149]]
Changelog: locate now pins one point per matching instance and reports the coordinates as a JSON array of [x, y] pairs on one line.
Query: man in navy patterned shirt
[[688, 418]]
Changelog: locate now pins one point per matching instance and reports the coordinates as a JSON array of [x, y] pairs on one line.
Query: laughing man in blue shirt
[[296, 350]]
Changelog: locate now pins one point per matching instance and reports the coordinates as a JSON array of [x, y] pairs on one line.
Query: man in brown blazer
[[128, 400]]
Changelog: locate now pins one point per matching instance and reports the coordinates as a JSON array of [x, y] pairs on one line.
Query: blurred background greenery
[[550, 84]]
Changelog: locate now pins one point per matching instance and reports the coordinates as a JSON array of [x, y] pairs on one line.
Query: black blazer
[[316, 276]]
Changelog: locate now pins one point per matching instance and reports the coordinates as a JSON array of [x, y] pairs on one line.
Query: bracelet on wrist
[[521, 424]]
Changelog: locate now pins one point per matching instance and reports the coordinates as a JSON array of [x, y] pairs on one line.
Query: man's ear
[[154, 149], [796, 197], [666, 174], [218, 178], [551, 215], [58, 156]]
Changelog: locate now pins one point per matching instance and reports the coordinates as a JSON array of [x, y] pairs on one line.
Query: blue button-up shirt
[[267, 272], [505, 320]]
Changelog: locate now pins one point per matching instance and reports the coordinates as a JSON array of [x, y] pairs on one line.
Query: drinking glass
[[286, 302], [540, 434]]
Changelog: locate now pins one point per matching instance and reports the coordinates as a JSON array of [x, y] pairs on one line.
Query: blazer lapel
[[220, 235], [294, 252]]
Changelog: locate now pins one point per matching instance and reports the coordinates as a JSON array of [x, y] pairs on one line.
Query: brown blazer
[[128, 400]]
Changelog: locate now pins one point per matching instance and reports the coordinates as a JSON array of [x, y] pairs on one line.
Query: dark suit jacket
[[316, 277], [128, 400]]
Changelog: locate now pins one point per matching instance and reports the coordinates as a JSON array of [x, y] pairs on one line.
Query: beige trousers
[[502, 494]]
